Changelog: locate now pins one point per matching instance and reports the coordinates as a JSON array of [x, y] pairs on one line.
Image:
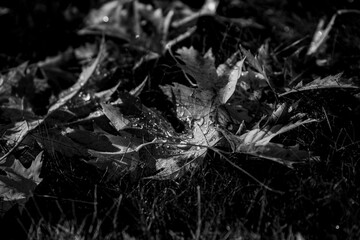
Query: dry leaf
[[201, 68], [76, 88], [329, 82], [257, 143], [17, 182], [228, 90]]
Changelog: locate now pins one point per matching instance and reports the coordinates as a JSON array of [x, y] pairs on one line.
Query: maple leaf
[[256, 142], [18, 182], [196, 107], [201, 68], [221, 80], [199, 108], [259, 62], [168, 155], [192, 103], [329, 82], [235, 91], [173, 160]]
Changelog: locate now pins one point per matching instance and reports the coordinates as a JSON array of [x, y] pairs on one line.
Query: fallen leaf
[[329, 82], [201, 68], [115, 116], [191, 103], [17, 182], [173, 161], [257, 142], [54, 141], [83, 79], [125, 20], [17, 134], [228, 90]]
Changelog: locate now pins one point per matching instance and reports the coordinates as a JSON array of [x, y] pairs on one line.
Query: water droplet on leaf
[[105, 19]]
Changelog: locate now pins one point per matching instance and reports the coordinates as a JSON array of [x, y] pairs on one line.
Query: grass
[[318, 199]]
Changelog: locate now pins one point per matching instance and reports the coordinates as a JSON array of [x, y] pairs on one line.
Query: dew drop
[[85, 96], [105, 19]]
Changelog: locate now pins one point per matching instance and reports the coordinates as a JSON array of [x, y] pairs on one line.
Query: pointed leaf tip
[[228, 90]]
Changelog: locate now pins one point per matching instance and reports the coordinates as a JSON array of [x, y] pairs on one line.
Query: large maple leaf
[[223, 89]]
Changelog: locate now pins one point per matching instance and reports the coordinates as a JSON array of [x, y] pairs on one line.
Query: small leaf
[[287, 156], [136, 92], [106, 94], [257, 141], [329, 82], [253, 61], [320, 35], [17, 184], [115, 116], [228, 90]]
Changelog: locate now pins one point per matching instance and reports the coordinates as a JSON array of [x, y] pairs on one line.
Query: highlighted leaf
[[228, 90], [186, 156]]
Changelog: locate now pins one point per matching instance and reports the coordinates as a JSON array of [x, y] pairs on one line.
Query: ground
[[92, 103]]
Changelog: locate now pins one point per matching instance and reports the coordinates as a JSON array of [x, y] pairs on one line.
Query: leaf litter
[[224, 106]]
